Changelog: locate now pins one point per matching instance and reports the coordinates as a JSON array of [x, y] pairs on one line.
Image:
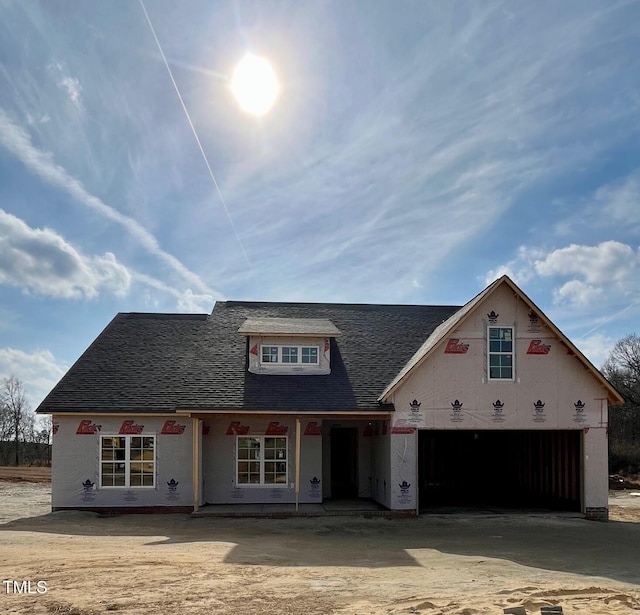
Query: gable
[[467, 330]]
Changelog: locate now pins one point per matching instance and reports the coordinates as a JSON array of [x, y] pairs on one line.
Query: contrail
[[41, 163], [195, 134], [610, 318]]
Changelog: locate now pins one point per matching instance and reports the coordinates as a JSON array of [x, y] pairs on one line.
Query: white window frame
[[263, 462], [128, 461], [501, 353], [280, 355]]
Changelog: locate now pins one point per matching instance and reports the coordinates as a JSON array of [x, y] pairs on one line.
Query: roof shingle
[[162, 362]]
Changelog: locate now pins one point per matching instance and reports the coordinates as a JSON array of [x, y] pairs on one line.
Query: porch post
[[196, 463], [297, 462]]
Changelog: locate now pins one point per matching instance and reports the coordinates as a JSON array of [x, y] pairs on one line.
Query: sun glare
[[254, 84]]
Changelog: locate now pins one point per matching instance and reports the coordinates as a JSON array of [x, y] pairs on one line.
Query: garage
[[507, 469]]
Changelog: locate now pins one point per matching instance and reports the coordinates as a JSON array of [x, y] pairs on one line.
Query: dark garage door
[[514, 469]]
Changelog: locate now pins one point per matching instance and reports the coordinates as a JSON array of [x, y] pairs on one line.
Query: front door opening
[[344, 462]]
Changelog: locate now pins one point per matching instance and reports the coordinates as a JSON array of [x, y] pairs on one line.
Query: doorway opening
[[344, 462]]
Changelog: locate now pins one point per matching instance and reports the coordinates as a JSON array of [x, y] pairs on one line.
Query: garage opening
[[511, 469]]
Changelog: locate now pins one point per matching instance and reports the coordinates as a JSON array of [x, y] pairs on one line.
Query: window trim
[[127, 461], [262, 460], [501, 353], [298, 352]]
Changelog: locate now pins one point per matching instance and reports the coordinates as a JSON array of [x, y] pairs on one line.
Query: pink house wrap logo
[[275, 429], [454, 346], [130, 428], [403, 427], [172, 427], [312, 429], [537, 347], [87, 427], [236, 428]]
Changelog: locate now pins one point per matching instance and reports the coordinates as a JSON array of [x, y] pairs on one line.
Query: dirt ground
[[19, 474], [465, 564]]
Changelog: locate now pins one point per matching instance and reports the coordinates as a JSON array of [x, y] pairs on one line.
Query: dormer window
[[269, 354], [289, 345], [302, 355]]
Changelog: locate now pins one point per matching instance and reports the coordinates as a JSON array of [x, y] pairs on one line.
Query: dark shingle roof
[[160, 362]]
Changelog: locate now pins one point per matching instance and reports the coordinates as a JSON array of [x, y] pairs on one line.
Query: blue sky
[[416, 151]]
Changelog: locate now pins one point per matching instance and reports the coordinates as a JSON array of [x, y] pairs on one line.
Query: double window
[[261, 460], [301, 355], [127, 461], [500, 353]]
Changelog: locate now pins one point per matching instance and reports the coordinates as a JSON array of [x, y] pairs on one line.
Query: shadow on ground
[[549, 542]]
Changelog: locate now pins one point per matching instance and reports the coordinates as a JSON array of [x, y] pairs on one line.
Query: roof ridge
[[234, 303]]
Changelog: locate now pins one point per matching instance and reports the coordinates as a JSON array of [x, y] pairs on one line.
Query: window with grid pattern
[[501, 353], [261, 460], [306, 355], [127, 461]]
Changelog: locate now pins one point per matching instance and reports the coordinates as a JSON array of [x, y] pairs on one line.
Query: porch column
[[196, 426], [297, 462]]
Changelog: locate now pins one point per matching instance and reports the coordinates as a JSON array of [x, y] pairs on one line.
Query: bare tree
[[622, 368], [42, 437], [16, 418]]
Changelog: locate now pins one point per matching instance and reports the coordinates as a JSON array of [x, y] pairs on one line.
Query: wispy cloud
[[17, 141], [72, 86], [186, 300], [595, 347], [42, 262], [39, 370], [619, 203], [449, 141]]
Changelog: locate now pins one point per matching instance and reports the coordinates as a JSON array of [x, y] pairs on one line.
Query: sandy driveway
[[174, 564]]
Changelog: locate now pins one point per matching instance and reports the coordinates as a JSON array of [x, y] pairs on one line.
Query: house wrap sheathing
[[415, 407]]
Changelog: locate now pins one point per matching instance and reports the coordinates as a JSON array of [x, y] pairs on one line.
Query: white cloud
[[38, 370], [42, 262], [594, 271], [578, 294], [18, 142], [190, 302], [595, 347], [73, 88], [68, 84], [186, 301], [521, 269], [609, 263], [620, 201]]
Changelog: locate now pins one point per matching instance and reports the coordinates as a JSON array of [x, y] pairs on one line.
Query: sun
[[254, 84]]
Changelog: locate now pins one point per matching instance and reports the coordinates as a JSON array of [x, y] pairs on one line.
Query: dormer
[[289, 345]]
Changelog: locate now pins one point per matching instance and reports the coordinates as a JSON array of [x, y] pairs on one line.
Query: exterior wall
[[219, 460], [596, 475], [380, 463], [403, 471], [76, 461], [551, 389]]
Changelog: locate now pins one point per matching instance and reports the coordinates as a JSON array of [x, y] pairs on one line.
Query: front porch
[[356, 507]]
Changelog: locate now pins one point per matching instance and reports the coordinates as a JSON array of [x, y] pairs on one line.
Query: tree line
[[23, 440], [622, 369]]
